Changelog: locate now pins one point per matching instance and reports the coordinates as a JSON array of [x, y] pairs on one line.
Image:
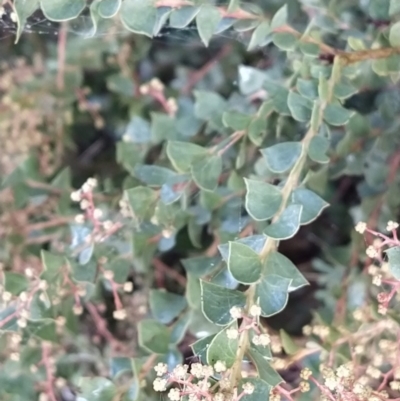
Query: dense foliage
[[199, 199]]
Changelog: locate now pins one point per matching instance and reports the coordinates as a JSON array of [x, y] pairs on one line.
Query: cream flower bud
[[255, 310], [119, 314], [236, 312]]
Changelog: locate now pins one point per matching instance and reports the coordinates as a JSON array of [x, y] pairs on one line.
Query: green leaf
[[288, 344], [356, 43], [15, 283], [280, 265], [317, 149], [250, 79], [193, 292], [255, 242], [313, 205], [134, 389], [207, 21], [257, 130], [233, 5], [307, 88], [282, 156], [179, 328], [264, 351], [128, 155], [273, 294], [63, 181], [120, 84], [52, 266], [121, 268], [280, 17], [86, 254], [108, 8], [163, 127], [394, 34], [206, 172], [142, 201], [394, 261], [139, 16], [195, 232], [119, 365], [223, 348], [261, 389], [138, 130], [216, 302], [200, 348], [174, 188], [309, 49], [236, 120], [153, 336], [266, 373], [284, 40], [85, 273], [183, 154], [152, 175], [96, 389], [42, 330], [279, 96], [287, 224], [261, 36], [337, 115], [244, 264], [394, 7], [199, 266], [163, 14], [166, 306], [62, 10], [300, 107], [9, 318], [210, 107], [344, 89], [262, 199], [24, 9], [183, 16], [40, 309]]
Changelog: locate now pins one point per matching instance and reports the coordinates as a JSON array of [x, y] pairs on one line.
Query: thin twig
[[49, 371], [102, 327], [198, 75], [159, 265]]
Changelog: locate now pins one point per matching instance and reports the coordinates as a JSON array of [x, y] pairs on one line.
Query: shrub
[[162, 205]]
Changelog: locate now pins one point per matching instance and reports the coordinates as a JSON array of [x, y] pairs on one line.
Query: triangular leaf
[[273, 294], [223, 348], [244, 264], [262, 199], [217, 301], [287, 224], [282, 156], [206, 172], [278, 264], [207, 21]]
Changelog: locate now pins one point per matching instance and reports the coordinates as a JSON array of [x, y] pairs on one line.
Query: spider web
[[82, 27]]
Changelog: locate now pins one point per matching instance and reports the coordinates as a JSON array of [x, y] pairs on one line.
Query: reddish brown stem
[[49, 371], [199, 74], [101, 326], [161, 266]]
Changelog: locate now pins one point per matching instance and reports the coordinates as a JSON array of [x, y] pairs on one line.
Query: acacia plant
[[160, 264]]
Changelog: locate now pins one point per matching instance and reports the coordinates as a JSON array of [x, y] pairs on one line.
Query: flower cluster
[[249, 323], [102, 229], [196, 383], [155, 89], [381, 275]]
